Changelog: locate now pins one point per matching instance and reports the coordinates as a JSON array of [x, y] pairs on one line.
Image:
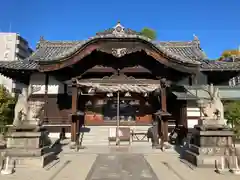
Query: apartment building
[[12, 47]]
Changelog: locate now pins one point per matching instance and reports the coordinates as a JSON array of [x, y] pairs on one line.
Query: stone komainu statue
[[21, 108], [212, 107], [26, 111]]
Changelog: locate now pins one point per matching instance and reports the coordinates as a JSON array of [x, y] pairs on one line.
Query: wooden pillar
[[74, 112], [78, 115], [164, 109], [183, 114], [45, 118]]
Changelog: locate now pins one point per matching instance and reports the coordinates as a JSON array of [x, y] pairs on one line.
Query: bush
[[7, 103], [232, 114]]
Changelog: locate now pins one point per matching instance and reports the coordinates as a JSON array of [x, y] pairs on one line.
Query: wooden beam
[[164, 123], [183, 114], [163, 99], [120, 80]]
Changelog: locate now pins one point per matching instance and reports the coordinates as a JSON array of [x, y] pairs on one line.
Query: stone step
[[98, 135], [99, 142], [93, 140]]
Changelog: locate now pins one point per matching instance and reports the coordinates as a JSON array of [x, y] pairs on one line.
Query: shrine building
[[78, 81]]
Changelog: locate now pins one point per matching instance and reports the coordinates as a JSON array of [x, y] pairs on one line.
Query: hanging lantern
[[109, 94], [127, 94], [89, 103]]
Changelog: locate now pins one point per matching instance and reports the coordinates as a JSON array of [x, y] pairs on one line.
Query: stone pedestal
[[29, 146], [209, 143]]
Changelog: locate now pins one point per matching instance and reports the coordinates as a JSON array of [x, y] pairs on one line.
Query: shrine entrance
[[121, 96], [128, 108]]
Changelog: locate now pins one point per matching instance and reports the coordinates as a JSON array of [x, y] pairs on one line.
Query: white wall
[[37, 80], [193, 114]]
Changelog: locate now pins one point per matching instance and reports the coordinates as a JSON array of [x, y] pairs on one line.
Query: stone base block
[[210, 151], [19, 152], [204, 161], [2, 146], [26, 139], [25, 126], [38, 162], [212, 124]]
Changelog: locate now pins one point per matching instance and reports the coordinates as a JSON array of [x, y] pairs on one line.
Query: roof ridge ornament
[[196, 39], [41, 40], [118, 31]]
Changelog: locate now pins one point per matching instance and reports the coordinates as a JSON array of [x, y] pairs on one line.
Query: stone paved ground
[[70, 166], [168, 167], [120, 164]]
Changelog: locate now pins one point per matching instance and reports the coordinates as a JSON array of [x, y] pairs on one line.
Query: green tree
[[232, 114], [229, 53], [148, 32], [7, 102]]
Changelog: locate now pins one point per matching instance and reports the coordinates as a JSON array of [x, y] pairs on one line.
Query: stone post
[[8, 169]]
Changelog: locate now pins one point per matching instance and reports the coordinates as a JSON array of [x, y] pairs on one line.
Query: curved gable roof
[[184, 52]]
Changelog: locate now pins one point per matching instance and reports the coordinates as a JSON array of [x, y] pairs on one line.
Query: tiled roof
[[188, 52], [214, 65], [47, 50], [184, 52], [196, 92], [19, 65], [51, 50], [190, 49]]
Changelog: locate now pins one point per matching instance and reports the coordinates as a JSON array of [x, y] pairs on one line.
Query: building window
[[232, 82], [235, 81], [7, 46]]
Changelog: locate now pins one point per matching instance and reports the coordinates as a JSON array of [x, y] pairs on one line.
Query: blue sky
[[216, 23]]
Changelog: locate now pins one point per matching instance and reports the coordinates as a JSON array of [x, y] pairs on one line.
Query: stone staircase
[[98, 135]]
